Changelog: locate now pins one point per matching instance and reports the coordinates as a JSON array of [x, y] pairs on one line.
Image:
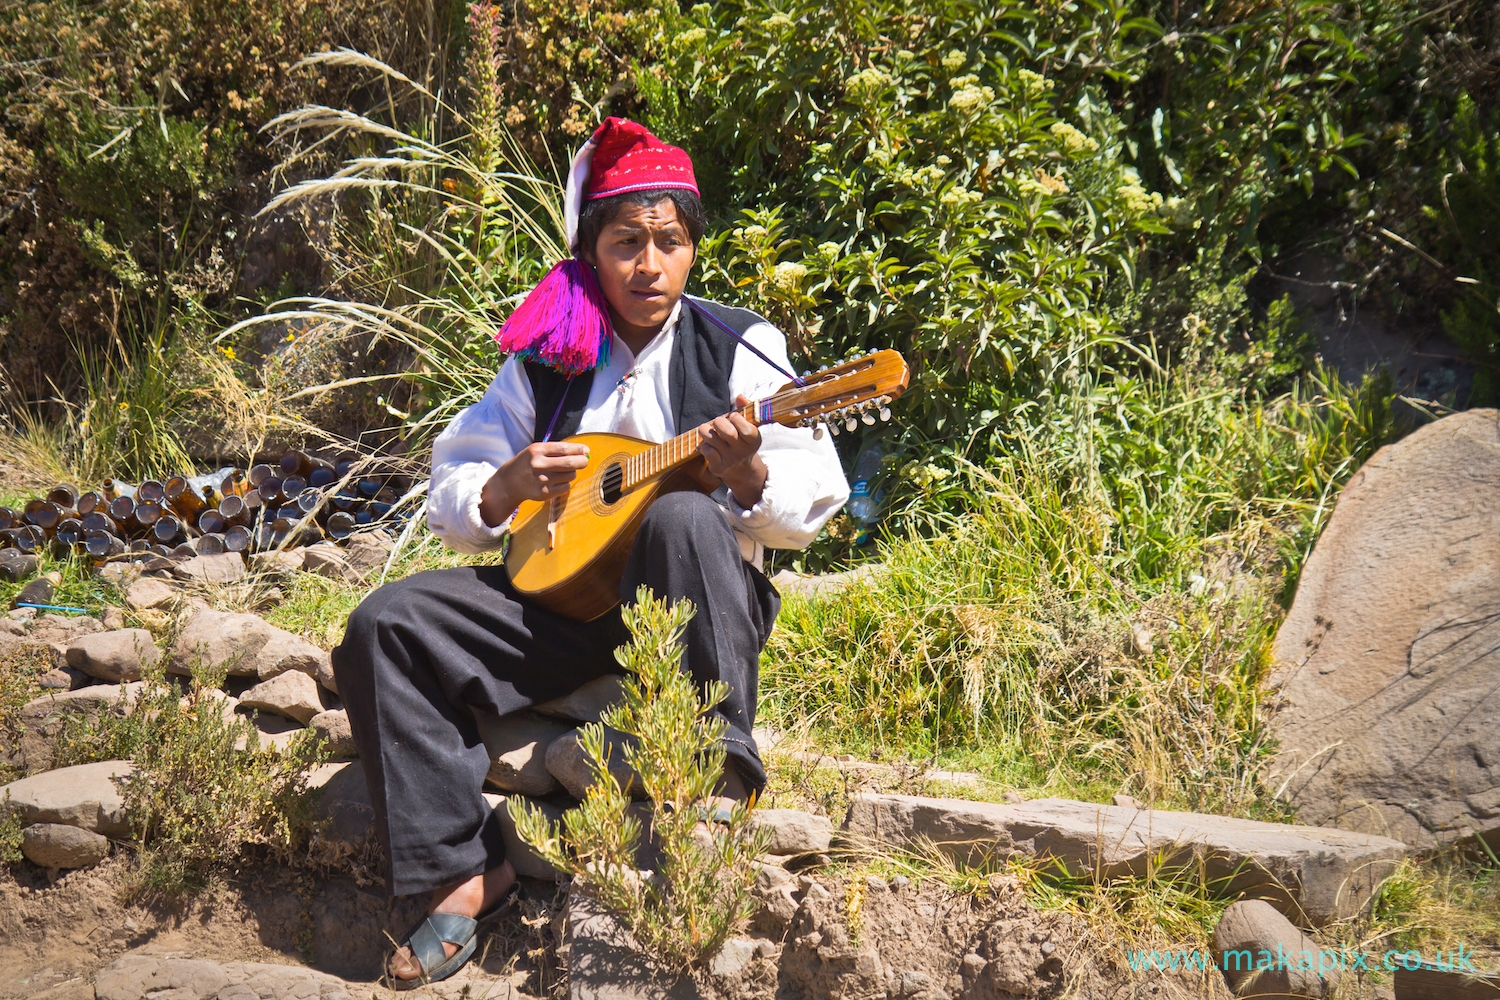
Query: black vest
[[702, 357]]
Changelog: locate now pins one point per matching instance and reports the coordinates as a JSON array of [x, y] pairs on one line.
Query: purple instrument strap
[[716, 321], [763, 407], [552, 424]]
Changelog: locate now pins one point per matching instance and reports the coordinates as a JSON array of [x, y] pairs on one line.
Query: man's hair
[[602, 211]]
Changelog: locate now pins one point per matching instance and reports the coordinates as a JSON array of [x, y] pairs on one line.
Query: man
[[421, 655]]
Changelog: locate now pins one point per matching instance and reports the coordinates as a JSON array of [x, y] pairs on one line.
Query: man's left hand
[[731, 446]]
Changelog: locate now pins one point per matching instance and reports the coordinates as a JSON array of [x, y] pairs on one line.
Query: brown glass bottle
[[295, 463], [237, 538], [211, 544], [99, 520], [8, 518], [151, 491], [183, 499], [167, 530], [233, 510], [69, 533], [341, 525], [211, 522], [102, 544], [65, 495], [43, 514], [88, 503], [147, 513], [122, 510]]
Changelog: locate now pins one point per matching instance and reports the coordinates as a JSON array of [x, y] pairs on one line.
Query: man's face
[[642, 259]]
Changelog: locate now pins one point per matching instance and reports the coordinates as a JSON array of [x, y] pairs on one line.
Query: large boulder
[[246, 646], [1314, 875], [113, 656], [56, 845], [1388, 660], [571, 765], [86, 796], [517, 744], [292, 694], [1251, 939]]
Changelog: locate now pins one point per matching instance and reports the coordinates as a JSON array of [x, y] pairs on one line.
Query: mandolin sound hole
[[610, 483]]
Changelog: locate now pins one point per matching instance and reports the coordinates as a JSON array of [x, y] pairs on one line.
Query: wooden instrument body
[[568, 554]]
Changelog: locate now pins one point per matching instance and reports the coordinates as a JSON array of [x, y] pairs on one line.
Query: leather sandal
[[426, 943]]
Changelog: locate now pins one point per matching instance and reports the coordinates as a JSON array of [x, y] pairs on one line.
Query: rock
[[169, 977], [292, 694], [825, 585], [24, 615], [119, 697], [1314, 874], [344, 801], [54, 845], [589, 702], [85, 795], [368, 552], [119, 573], [733, 958], [519, 853], [56, 628], [63, 679], [274, 731], [1389, 722], [517, 745], [16, 626], [223, 567], [247, 646], [114, 656], [278, 562], [112, 618], [328, 560], [333, 728], [605, 962], [793, 831], [569, 763], [1252, 930], [1128, 802], [148, 592]]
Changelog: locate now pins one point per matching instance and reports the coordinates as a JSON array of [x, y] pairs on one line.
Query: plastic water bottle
[[864, 500]]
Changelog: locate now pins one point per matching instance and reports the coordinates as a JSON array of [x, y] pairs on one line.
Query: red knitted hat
[[627, 157], [622, 156]]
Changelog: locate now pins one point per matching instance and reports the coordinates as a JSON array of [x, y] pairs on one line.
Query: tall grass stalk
[[435, 240]]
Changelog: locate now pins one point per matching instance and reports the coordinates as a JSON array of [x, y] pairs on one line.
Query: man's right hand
[[538, 472]]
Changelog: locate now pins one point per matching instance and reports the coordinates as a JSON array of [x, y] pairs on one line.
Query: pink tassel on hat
[[563, 322]]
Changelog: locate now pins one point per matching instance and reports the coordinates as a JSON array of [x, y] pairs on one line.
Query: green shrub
[[204, 787], [700, 895], [1088, 634]]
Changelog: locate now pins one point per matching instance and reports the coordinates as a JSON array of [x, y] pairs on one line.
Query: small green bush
[[700, 895], [204, 787]]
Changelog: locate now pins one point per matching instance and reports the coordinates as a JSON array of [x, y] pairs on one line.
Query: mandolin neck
[[657, 461]]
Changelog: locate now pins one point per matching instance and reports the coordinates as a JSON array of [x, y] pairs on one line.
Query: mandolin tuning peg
[[885, 413], [850, 424], [818, 433], [867, 418]]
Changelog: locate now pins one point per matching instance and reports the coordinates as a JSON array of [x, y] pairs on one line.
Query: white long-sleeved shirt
[[805, 483]]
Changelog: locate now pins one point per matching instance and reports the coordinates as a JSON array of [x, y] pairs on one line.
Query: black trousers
[[421, 654]]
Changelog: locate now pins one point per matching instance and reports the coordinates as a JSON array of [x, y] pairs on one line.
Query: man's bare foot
[[468, 898]]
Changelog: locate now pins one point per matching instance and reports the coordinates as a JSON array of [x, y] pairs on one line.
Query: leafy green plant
[[700, 893], [203, 787]]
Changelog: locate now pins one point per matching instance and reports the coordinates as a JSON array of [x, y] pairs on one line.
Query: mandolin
[[567, 553]]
